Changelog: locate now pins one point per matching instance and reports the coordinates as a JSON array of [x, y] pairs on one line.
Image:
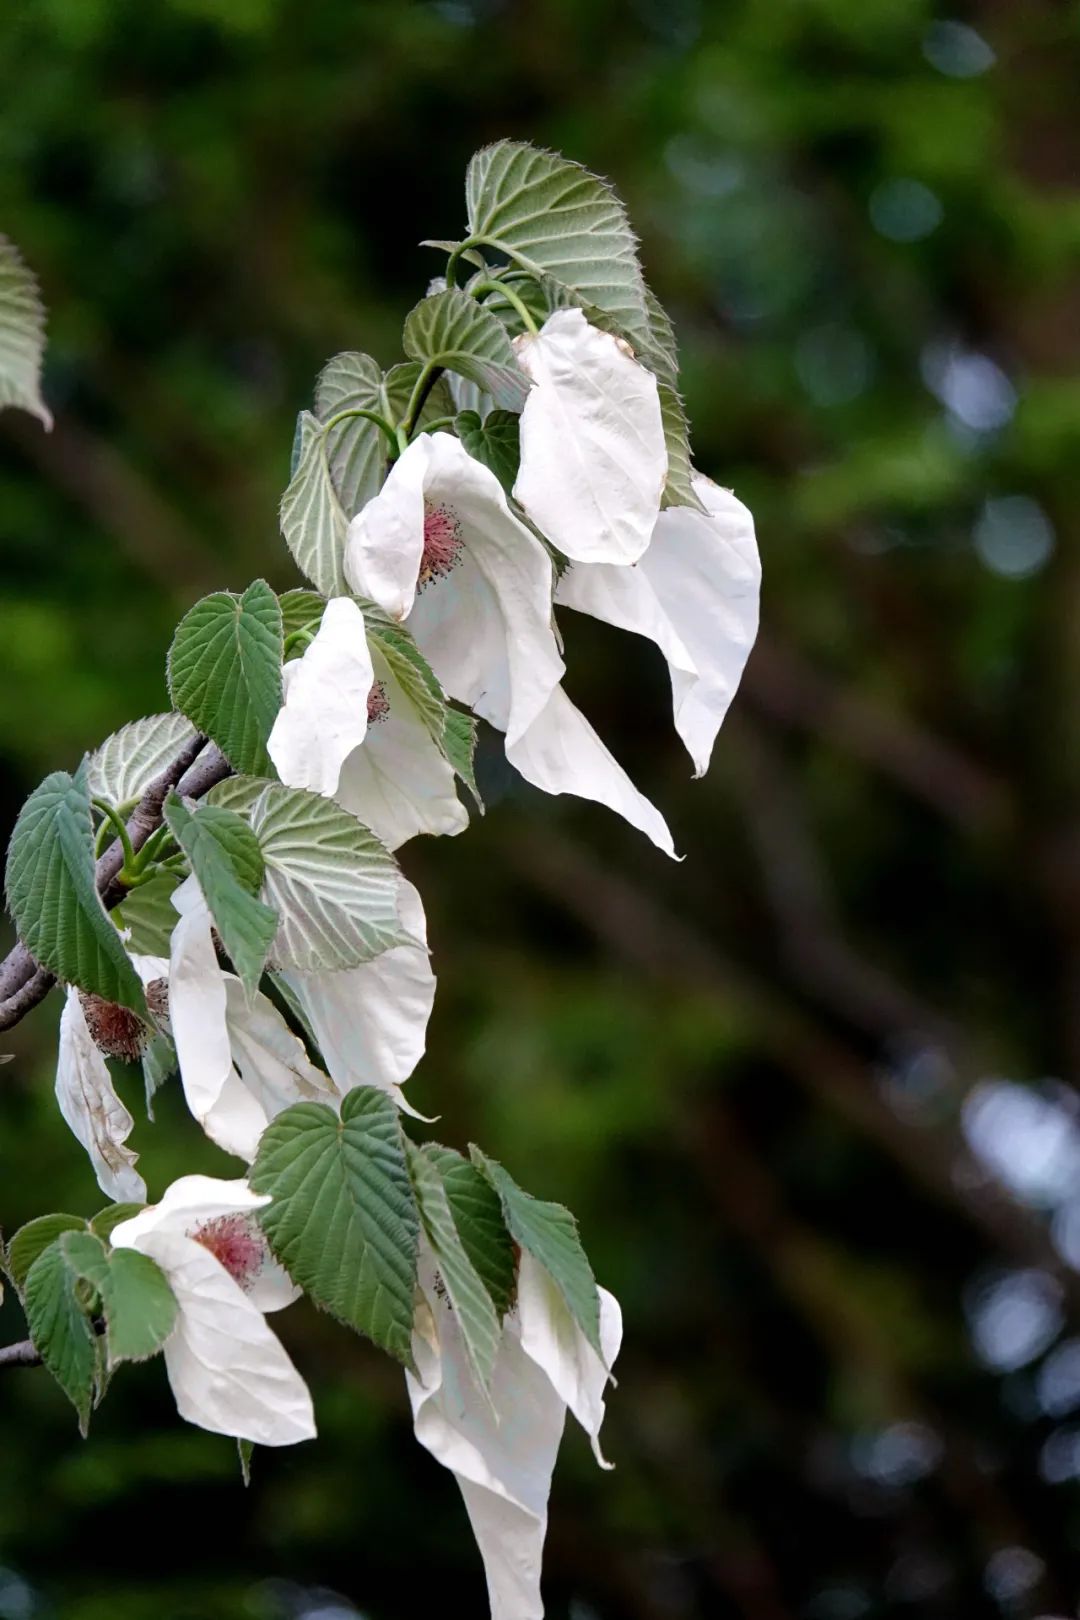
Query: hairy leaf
[[496, 441], [135, 1298], [52, 893], [127, 762], [465, 1288], [62, 1332], [549, 1232], [553, 217], [33, 1239], [228, 863], [343, 1220], [478, 1216], [313, 519], [451, 330], [678, 491], [22, 335], [225, 672]]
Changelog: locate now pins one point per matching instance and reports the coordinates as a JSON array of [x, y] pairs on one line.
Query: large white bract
[[281, 952]]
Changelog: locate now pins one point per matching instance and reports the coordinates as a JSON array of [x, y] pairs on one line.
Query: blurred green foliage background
[[808, 1092]]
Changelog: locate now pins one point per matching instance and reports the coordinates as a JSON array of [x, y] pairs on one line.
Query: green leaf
[[478, 1216], [357, 449], [459, 746], [453, 732], [52, 893], [105, 1222], [662, 353], [465, 1287], [138, 1305], [245, 1450], [343, 1221], [22, 335], [127, 762], [63, 1335], [331, 882], [398, 385], [33, 1239], [301, 610], [228, 863], [313, 520], [225, 672], [148, 913], [451, 330], [549, 1233], [678, 491], [159, 1064], [496, 442], [553, 217]]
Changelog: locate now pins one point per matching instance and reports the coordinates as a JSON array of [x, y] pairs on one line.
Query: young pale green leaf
[[22, 335], [549, 1233], [451, 330], [343, 1220], [61, 1330], [478, 1217], [52, 893], [135, 1298], [678, 491], [33, 1239], [464, 1286], [124, 766], [313, 519], [552, 217], [496, 441], [225, 672], [357, 448], [331, 882], [228, 863], [397, 391], [148, 916]]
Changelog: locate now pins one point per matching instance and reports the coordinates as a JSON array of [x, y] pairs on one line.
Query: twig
[[22, 1354], [194, 771]]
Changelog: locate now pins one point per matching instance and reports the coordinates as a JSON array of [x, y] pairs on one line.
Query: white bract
[[593, 457], [90, 1106], [440, 546], [240, 1063], [325, 711], [502, 1452], [695, 593], [228, 1371]]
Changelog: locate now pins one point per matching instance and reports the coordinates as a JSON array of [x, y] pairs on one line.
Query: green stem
[[298, 638], [511, 297], [452, 262], [157, 841], [116, 821], [441, 423], [369, 416], [422, 387]]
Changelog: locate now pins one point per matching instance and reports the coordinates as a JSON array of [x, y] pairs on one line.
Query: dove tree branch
[[193, 772]]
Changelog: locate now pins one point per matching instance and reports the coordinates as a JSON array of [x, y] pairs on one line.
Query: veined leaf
[[33, 1239], [22, 335], [452, 731], [357, 449], [63, 1335], [136, 1301], [301, 610], [313, 519], [662, 354], [549, 1232], [553, 217], [678, 491], [478, 1216], [148, 916], [496, 442], [451, 330], [330, 880], [127, 762], [52, 893], [343, 1220], [465, 1287], [225, 672], [228, 863], [398, 385]]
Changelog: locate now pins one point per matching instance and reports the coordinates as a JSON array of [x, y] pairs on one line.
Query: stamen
[[378, 704], [442, 544], [237, 1243]]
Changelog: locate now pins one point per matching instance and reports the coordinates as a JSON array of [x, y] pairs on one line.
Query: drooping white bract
[[91, 1107], [240, 1064], [324, 715], [370, 1022], [593, 455], [228, 1371], [503, 1452], [440, 546], [695, 593]]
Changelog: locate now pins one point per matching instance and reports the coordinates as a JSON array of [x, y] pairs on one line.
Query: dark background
[[809, 1092]]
